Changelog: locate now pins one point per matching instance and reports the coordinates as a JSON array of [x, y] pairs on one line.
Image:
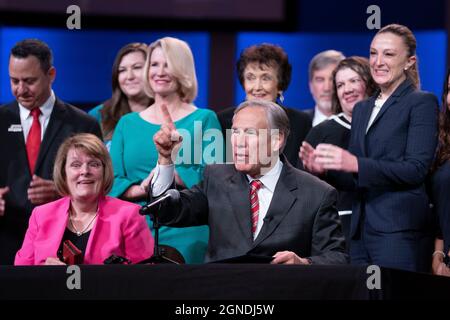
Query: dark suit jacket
[[301, 218], [14, 172], [300, 125], [310, 113], [394, 158]]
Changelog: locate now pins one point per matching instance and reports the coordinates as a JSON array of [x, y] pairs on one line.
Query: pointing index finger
[[167, 119], [168, 123]]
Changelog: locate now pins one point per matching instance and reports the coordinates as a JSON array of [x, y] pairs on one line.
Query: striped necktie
[[255, 185]]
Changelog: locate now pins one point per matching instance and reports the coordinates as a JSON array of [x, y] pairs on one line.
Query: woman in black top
[[440, 185], [352, 83]]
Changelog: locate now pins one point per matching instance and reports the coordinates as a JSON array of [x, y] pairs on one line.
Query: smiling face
[[130, 74], [84, 175], [350, 89], [261, 82], [388, 60], [160, 78]]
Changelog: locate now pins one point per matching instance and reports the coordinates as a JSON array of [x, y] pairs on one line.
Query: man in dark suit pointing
[[260, 204], [31, 131]]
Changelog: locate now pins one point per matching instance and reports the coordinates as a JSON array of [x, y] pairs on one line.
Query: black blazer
[[14, 172], [300, 125], [302, 216], [394, 158]]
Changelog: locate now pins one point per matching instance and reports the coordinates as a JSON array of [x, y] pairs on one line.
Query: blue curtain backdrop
[[83, 59]]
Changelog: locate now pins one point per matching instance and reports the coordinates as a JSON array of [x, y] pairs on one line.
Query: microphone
[[170, 196]]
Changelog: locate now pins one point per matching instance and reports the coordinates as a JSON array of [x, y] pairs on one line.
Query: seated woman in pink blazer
[[98, 225]]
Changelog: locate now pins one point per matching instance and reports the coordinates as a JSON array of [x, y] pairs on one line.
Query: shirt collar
[[270, 179], [319, 116], [46, 108]]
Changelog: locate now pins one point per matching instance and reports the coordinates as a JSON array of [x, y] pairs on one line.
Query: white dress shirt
[[164, 175], [319, 117], [26, 119], [376, 109], [265, 193]]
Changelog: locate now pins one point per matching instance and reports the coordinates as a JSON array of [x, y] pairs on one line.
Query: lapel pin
[[15, 128]]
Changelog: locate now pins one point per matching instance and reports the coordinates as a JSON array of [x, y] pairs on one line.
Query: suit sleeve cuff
[[162, 179]]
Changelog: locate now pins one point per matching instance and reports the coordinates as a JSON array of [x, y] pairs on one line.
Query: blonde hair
[[181, 66], [93, 147]]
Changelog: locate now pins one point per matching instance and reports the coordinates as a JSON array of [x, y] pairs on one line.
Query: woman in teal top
[[127, 89], [171, 81]]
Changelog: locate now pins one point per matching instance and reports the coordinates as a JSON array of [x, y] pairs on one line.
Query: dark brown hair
[[117, 106], [34, 47], [269, 55], [361, 66], [443, 152]]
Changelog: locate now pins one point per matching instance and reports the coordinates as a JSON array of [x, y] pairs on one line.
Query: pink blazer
[[119, 229]]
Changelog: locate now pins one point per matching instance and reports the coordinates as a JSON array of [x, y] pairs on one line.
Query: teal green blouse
[[95, 112], [134, 155]]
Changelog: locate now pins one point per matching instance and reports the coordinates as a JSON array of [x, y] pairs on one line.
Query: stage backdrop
[[83, 59], [301, 48]]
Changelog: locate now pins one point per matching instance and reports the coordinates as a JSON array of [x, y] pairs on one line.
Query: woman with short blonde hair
[[171, 81], [181, 65]]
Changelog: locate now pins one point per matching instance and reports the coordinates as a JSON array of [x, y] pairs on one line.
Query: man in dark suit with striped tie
[[260, 204]]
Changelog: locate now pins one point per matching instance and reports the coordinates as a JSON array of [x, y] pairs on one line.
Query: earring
[[280, 96], [406, 68]]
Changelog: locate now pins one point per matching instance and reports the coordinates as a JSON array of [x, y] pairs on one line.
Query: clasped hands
[[327, 157], [288, 257]]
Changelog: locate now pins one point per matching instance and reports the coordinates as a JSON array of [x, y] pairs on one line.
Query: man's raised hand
[[167, 140]]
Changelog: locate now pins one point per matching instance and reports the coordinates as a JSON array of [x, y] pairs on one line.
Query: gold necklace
[[79, 233]]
